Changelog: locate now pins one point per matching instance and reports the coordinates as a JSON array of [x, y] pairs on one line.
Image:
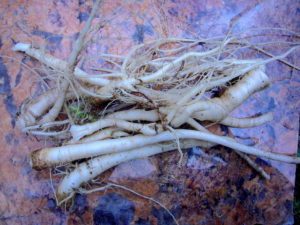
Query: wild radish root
[[155, 99]]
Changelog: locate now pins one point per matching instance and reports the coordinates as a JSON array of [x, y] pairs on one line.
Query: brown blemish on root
[[36, 161]]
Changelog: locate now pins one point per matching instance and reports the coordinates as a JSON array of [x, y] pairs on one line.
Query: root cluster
[[159, 97]]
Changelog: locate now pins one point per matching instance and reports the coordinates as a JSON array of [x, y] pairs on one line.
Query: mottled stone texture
[[219, 189]]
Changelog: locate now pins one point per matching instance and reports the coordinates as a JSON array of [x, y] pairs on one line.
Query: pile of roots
[[157, 98]]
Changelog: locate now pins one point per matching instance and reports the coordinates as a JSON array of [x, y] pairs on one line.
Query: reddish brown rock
[[229, 193]]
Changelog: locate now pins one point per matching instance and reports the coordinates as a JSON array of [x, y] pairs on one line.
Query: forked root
[[217, 109]]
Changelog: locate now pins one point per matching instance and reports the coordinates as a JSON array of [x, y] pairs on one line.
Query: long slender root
[[256, 167], [53, 156], [247, 122]]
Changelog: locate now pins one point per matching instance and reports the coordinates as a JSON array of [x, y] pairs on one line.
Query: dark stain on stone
[[140, 31], [195, 151], [64, 2], [162, 216], [11, 108], [6, 90], [261, 195], [51, 204], [164, 188], [239, 182], [173, 12], [55, 18], [75, 36], [252, 198], [80, 204], [142, 222], [53, 39], [83, 16], [194, 18], [113, 209], [230, 201], [178, 188], [243, 195], [1, 43], [52, 207], [29, 193], [19, 75], [26, 170], [177, 211], [18, 78], [271, 104], [9, 138], [271, 132]]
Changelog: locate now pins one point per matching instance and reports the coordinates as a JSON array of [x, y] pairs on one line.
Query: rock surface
[[202, 191]]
